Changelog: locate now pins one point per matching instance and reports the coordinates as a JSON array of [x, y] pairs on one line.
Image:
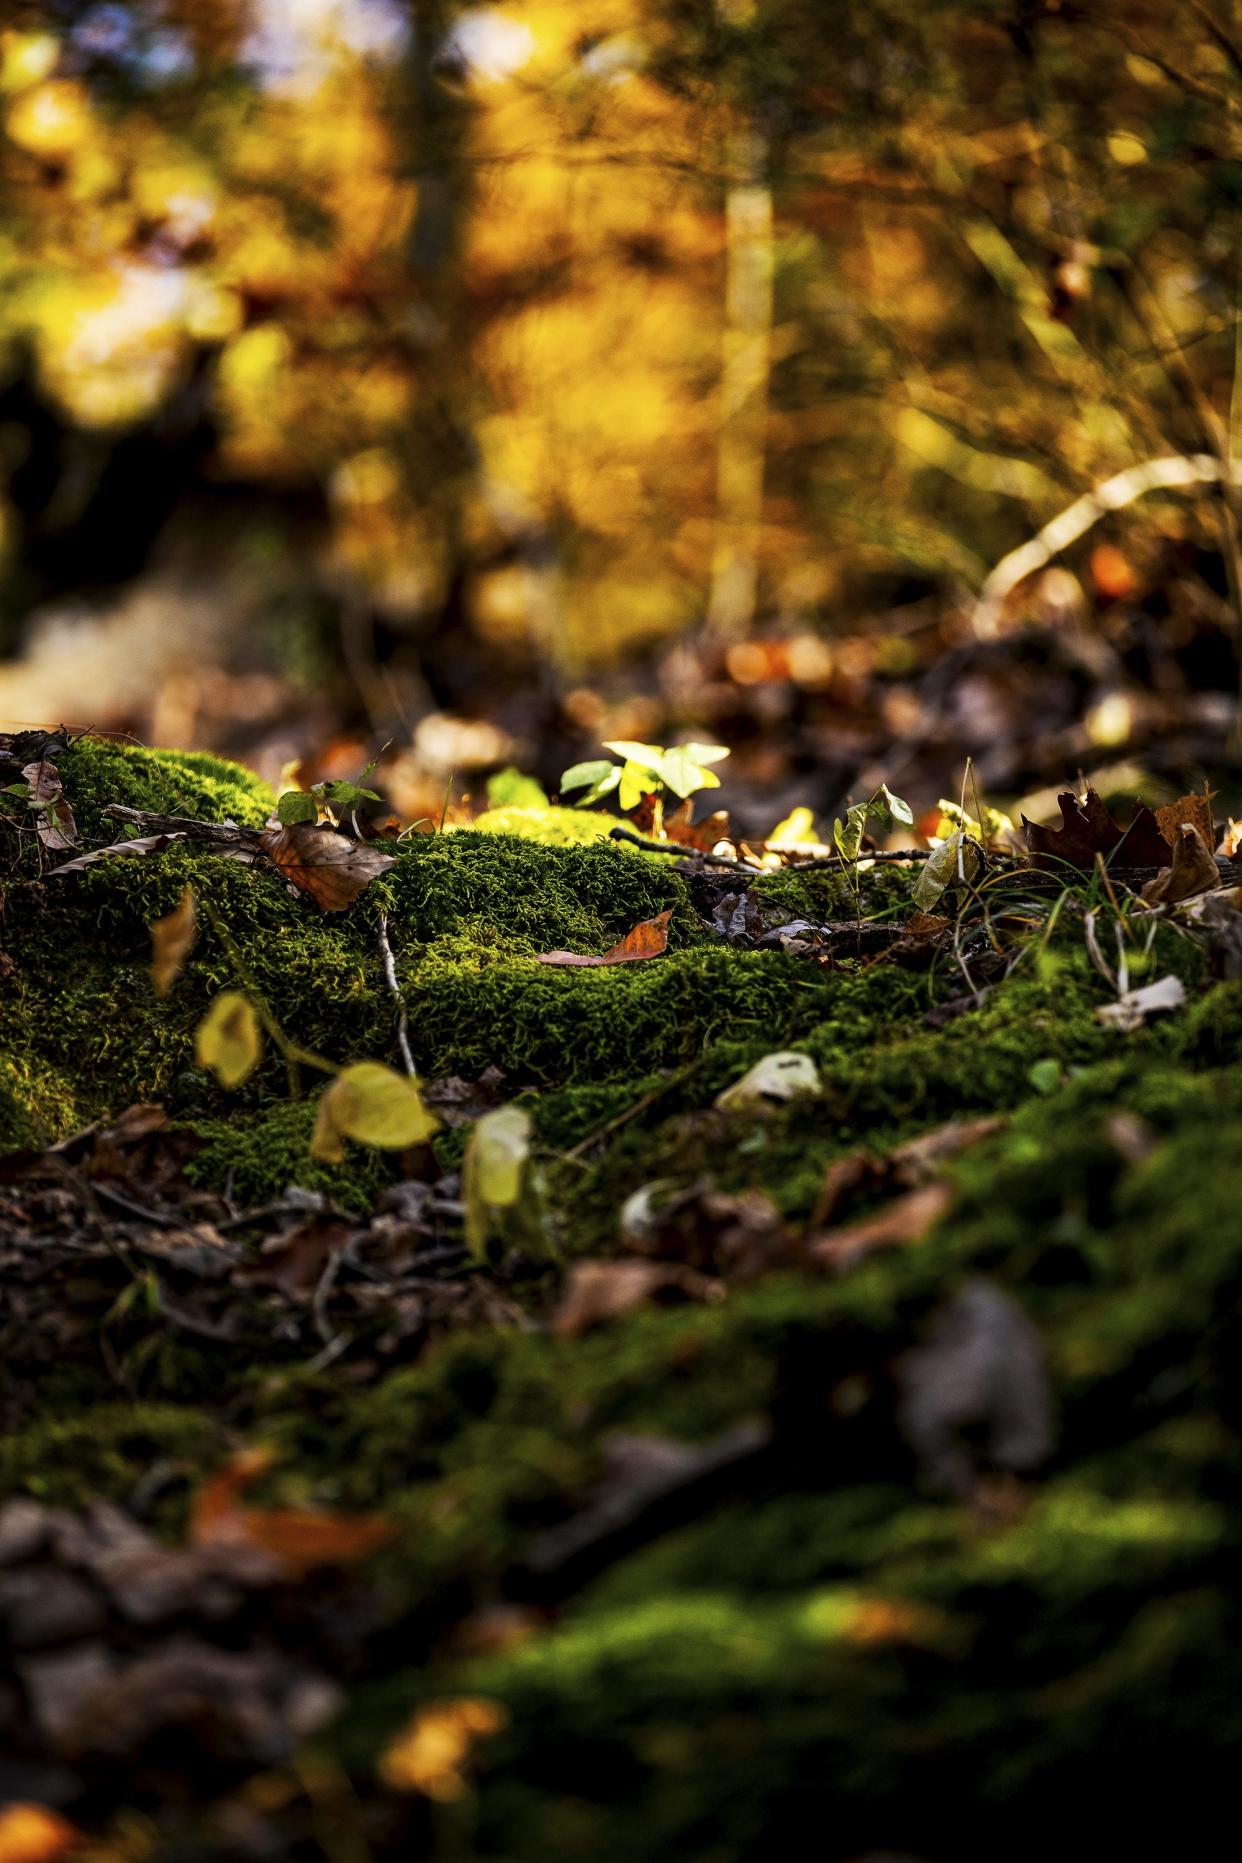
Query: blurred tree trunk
[[745, 373]]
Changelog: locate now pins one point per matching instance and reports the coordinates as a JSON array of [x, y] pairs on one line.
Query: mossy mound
[[820, 1635]]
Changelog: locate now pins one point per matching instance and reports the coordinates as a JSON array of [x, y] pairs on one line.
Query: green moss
[[256, 1159], [104, 1451], [555, 827], [96, 771]]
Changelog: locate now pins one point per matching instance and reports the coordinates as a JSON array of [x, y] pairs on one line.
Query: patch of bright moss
[[96, 771], [555, 827]]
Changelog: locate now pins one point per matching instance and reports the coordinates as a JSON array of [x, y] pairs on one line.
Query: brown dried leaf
[[1194, 809], [298, 1539], [54, 823], [172, 939], [650, 939], [328, 866], [1192, 870], [141, 844], [1087, 829], [681, 827], [294, 1262], [599, 1291], [897, 1225]]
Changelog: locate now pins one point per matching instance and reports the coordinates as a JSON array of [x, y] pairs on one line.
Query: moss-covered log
[[832, 1638]]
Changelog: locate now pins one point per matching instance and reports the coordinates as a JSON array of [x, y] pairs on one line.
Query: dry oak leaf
[[649, 939], [172, 939], [1193, 869], [140, 844], [54, 823], [297, 1540], [681, 827], [1087, 829], [329, 867], [909, 1220]]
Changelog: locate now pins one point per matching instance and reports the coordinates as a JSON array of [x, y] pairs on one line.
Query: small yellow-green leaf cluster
[[373, 1104], [228, 1040], [493, 1169]]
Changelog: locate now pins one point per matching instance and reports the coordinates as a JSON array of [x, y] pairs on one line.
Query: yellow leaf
[[228, 1039], [370, 1103], [172, 938], [797, 829], [432, 1753], [493, 1167]]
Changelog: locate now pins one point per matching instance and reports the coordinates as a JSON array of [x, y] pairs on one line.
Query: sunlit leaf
[[172, 939], [648, 939], [941, 869], [900, 811], [296, 805], [636, 781], [684, 773], [797, 829], [493, 1169], [373, 1104], [433, 1752], [228, 1041]]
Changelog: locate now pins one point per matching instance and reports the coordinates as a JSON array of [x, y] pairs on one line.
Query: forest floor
[[858, 1446]]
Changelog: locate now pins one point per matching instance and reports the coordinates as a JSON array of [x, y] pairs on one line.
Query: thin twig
[[390, 978]]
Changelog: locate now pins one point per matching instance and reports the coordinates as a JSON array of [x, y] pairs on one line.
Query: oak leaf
[[1087, 829], [649, 939]]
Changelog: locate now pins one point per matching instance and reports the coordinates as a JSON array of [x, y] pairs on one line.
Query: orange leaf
[[329, 866], [32, 1834], [298, 1540], [1197, 810], [650, 939], [172, 938]]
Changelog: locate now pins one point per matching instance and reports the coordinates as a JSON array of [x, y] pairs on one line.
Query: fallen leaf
[[329, 867], [1087, 829], [796, 830], [228, 1040], [681, 827], [54, 823], [298, 1540], [782, 1075], [908, 1220], [597, 1292], [373, 1104], [141, 844], [1192, 870], [493, 1169], [434, 1751], [650, 939], [294, 1262], [33, 1834], [1132, 1009], [1194, 809], [732, 1234], [172, 939]]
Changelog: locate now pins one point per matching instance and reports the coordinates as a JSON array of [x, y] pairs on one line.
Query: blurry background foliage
[[408, 344]]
